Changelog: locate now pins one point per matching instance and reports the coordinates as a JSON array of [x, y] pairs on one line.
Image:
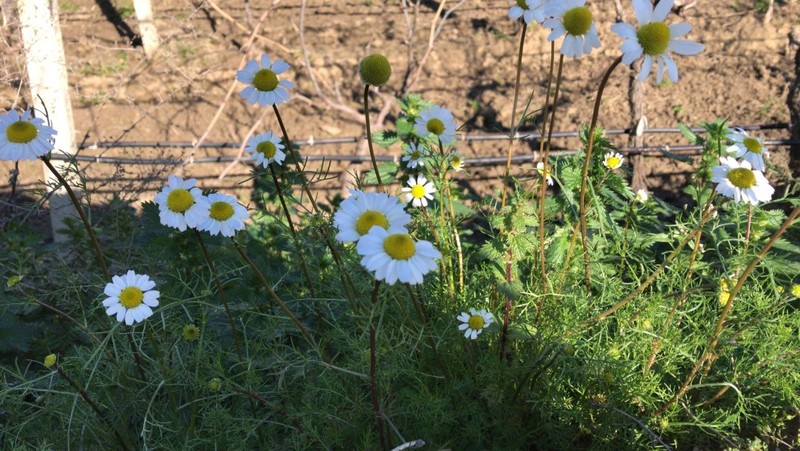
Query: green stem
[[373, 368], [714, 340], [296, 239], [589, 145], [514, 125], [545, 162], [274, 295], [296, 158], [369, 140], [95, 244], [223, 298]]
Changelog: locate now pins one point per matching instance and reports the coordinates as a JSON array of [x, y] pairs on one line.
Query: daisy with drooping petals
[[613, 160], [265, 88], [419, 191], [740, 182], [266, 148], [573, 20], [361, 211], [749, 148], [130, 297], [224, 215], [414, 154], [180, 204], [544, 173], [456, 162], [529, 10], [654, 39], [437, 121], [24, 137], [393, 255], [474, 322]]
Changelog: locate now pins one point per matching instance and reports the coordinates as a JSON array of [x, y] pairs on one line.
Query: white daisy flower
[[393, 255], [740, 182], [24, 137], [438, 121], [361, 211], [265, 88], [613, 160], [266, 148], [180, 204], [654, 39], [130, 297], [419, 191], [474, 322], [641, 196], [224, 215], [544, 173], [414, 154], [751, 149], [529, 10], [456, 162], [574, 21]]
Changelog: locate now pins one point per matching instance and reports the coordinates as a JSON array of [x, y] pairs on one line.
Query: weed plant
[[564, 311]]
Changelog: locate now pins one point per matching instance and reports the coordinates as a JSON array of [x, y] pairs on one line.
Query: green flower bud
[[374, 69]]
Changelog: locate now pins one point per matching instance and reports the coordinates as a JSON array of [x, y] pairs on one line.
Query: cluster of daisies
[[652, 39], [181, 205], [743, 180], [435, 131]]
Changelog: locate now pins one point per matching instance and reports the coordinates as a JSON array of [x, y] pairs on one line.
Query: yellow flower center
[[476, 322], [752, 145], [796, 291], [131, 297], [577, 21], [399, 246], [221, 210], [418, 191], [522, 4], [455, 162], [415, 155], [653, 37], [21, 132], [435, 126], [742, 178], [371, 218], [267, 148], [265, 80], [613, 162], [180, 200]]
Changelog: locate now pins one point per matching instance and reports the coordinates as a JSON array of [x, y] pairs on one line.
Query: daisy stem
[[136, 357], [292, 228], [545, 162], [714, 339], [223, 298], [514, 125], [196, 391], [369, 140], [459, 254], [91, 404], [589, 145], [88, 226], [424, 320], [275, 296], [749, 225], [707, 213], [441, 260], [296, 158], [373, 367], [628, 215]]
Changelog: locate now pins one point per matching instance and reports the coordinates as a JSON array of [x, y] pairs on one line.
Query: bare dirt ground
[[119, 95]]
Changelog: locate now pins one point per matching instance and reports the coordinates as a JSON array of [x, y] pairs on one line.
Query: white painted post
[[147, 27], [47, 76]]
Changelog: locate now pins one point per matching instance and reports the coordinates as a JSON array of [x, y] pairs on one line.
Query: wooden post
[[47, 76], [147, 27]]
